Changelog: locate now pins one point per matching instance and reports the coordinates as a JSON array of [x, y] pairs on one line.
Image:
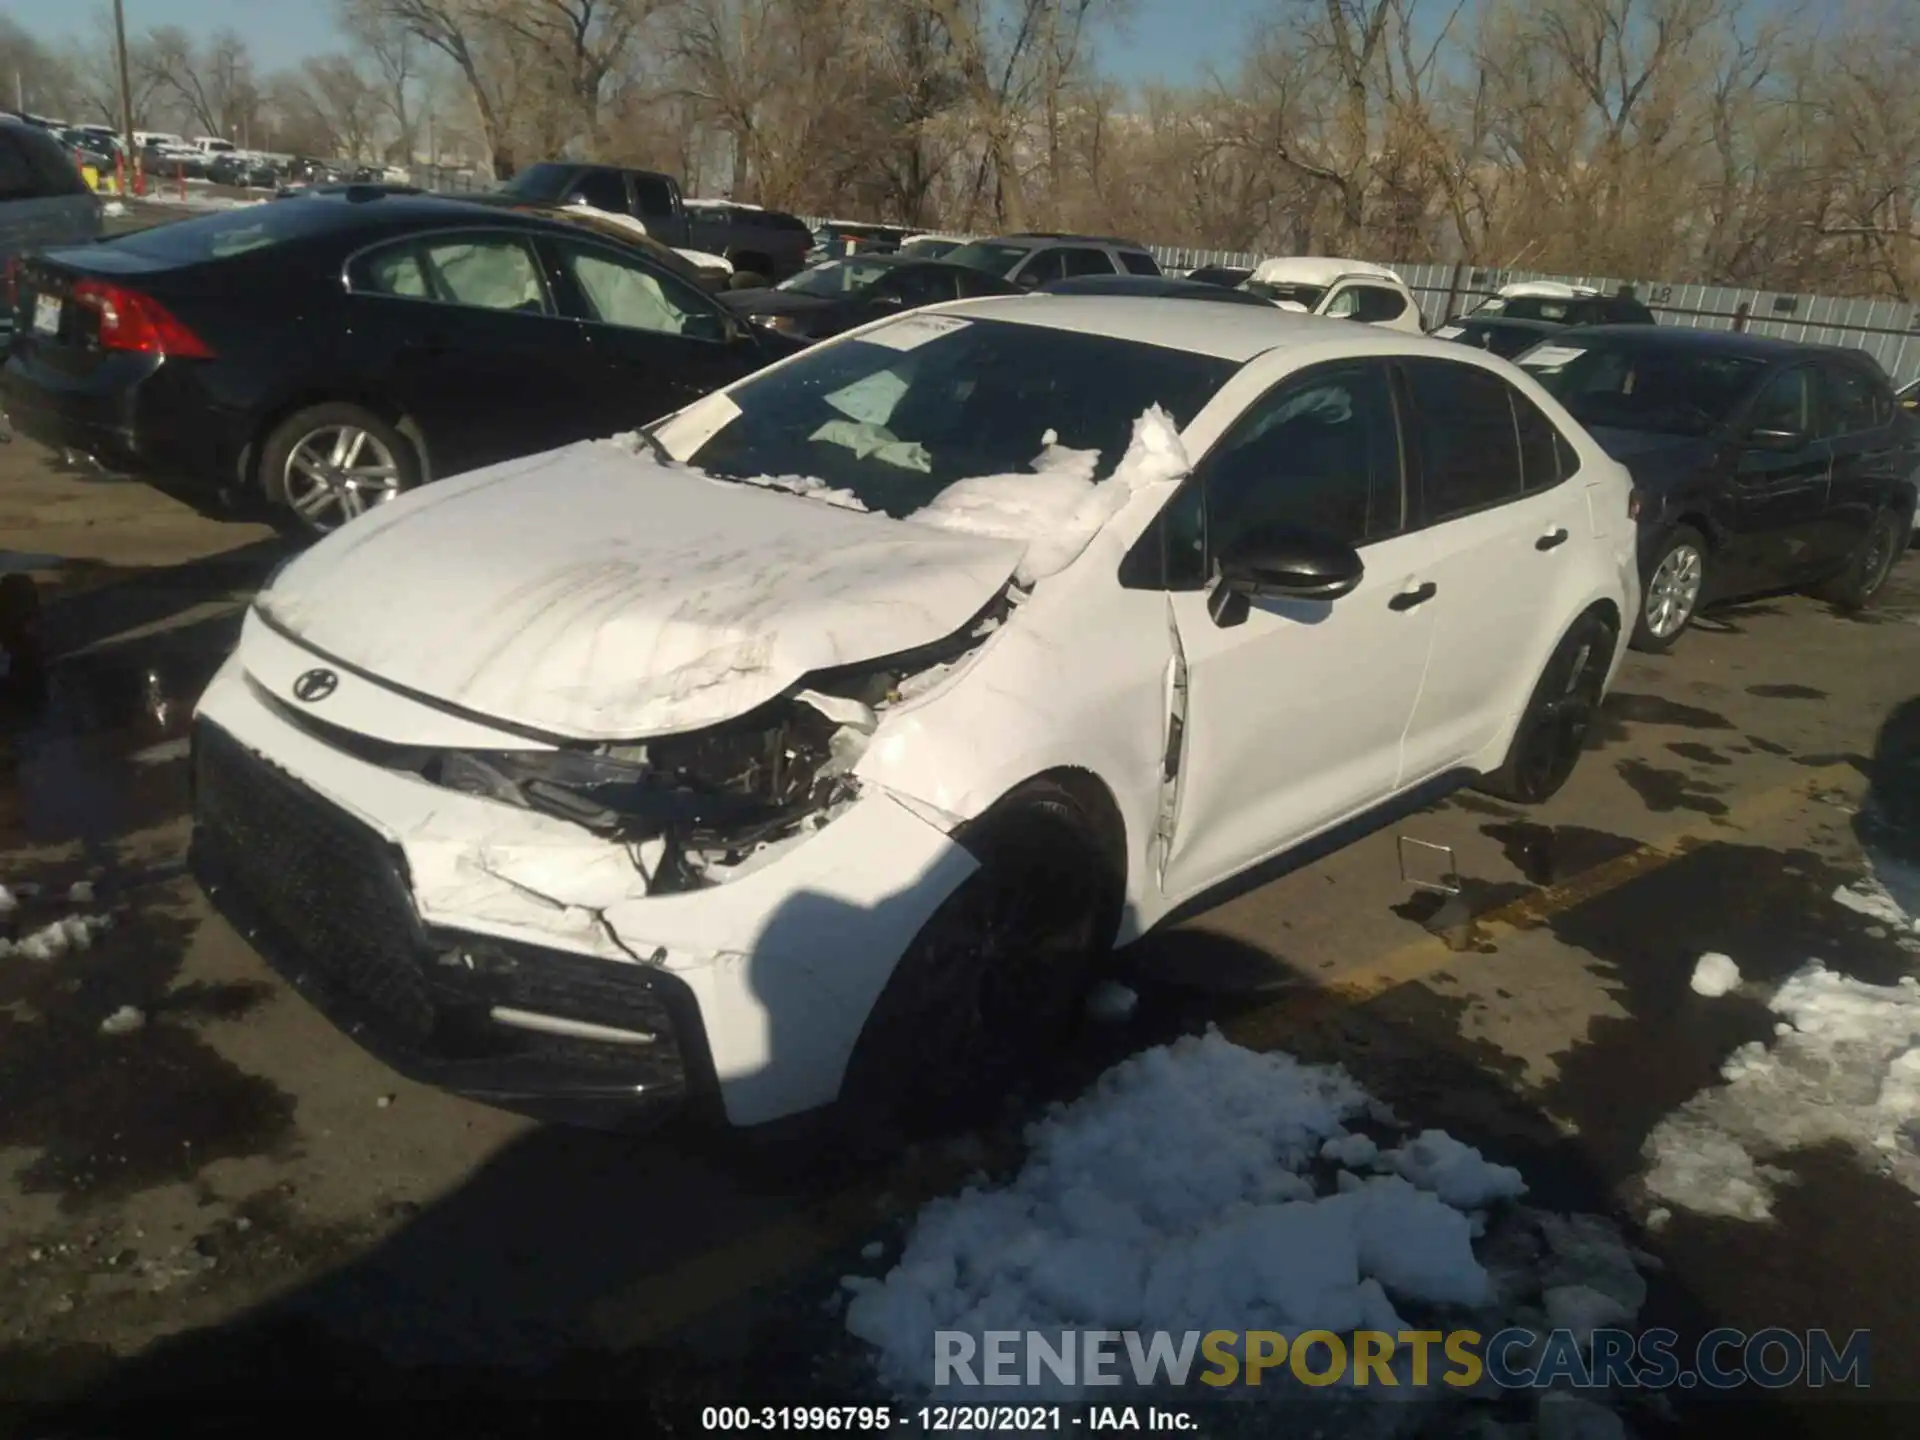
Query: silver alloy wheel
[[1673, 591], [337, 472]]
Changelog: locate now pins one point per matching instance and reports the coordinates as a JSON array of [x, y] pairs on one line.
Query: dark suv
[[1035, 258], [43, 201]]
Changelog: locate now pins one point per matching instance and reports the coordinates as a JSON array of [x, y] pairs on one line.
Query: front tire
[[1671, 590], [1859, 585], [998, 977], [328, 464], [1559, 716]]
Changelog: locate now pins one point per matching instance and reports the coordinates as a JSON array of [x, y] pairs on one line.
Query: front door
[[1294, 717], [1779, 487]]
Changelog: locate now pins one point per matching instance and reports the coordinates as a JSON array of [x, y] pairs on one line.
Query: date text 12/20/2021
[[934, 1419]]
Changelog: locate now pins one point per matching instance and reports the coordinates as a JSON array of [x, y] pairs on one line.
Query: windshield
[[1630, 387], [929, 249], [835, 278], [895, 418], [986, 255], [545, 181], [1307, 295]]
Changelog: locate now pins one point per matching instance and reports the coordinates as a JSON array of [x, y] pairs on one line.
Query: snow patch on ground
[[1872, 899], [1179, 1193], [1715, 975], [1844, 1066], [1059, 507], [50, 941]]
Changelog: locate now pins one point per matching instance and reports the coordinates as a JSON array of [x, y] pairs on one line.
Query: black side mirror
[[1282, 563], [1778, 442]]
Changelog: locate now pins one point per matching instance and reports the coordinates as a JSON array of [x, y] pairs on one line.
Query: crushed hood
[[595, 594]]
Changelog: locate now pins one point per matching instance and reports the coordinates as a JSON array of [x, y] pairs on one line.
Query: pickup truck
[[759, 242]]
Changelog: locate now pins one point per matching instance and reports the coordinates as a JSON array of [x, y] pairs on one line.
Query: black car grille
[[329, 885]]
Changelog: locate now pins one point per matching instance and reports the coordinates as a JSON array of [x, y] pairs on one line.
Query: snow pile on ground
[[1844, 1066], [1059, 507], [1872, 899], [52, 940], [1193, 1188], [1715, 975]]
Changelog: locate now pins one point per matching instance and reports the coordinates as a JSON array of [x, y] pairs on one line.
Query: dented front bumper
[[518, 958]]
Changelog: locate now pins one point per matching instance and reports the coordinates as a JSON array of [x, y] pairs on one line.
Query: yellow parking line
[[659, 1305]]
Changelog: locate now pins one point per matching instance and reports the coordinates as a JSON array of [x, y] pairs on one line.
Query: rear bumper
[[326, 902], [135, 416]]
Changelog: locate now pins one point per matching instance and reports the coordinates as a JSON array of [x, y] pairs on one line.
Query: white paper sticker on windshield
[[915, 331], [1550, 357], [1447, 332]]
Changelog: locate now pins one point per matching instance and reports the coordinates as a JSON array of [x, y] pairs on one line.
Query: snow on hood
[[596, 594], [1060, 507]]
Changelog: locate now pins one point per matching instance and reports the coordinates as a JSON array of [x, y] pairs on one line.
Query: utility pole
[[126, 80]]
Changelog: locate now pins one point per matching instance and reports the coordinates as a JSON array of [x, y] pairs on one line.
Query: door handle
[[1551, 539], [1408, 599]]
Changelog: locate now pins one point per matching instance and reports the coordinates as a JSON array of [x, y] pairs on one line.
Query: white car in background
[[1338, 289], [824, 740]]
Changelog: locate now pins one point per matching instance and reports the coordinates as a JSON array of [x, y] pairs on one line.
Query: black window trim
[[1145, 567], [555, 260], [419, 238]]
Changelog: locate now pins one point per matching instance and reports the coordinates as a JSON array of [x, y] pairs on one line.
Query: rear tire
[[1859, 585], [1671, 588], [999, 975], [1553, 729], [330, 463]]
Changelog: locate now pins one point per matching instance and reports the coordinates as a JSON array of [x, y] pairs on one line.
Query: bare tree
[[213, 83]]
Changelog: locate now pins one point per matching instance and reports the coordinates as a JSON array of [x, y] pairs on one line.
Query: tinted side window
[[17, 178], [1786, 403], [920, 287], [1138, 262], [604, 189], [1377, 303], [1085, 262], [56, 172], [1321, 452], [1852, 400], [1041, 269], [1545, 456], [1469, 451], [655, 194]]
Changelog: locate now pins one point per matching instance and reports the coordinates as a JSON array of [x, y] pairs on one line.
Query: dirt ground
[[235, 1197]]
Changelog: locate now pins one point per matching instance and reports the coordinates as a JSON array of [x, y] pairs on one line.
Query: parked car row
[[923, 637]]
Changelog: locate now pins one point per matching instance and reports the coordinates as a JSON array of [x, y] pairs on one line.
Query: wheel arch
[[1106, 823], [273, 416]]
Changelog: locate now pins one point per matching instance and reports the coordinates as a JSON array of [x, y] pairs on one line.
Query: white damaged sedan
[[823, 741]]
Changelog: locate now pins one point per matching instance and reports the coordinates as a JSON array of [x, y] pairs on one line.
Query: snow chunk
[[49, 942], [1845, 1066], [1059, 507], [1356, 1152], [1715, 975], [1582, 1309], [1174, 1193], [1457, 1173], [7, 903], [123, 1021], [80, 892], [1112, 1001], [1870, 898]]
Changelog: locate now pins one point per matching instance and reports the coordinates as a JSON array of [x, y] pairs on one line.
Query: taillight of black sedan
[[325, 353]]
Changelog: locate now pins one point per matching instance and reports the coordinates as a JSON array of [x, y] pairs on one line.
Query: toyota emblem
[[315, 686]]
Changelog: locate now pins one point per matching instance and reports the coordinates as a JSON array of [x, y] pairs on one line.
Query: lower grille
[[326, 882]]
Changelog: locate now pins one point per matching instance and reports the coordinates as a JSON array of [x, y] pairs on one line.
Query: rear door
[[653, 343], [1779, 487], [1496, 496], [461, 328], [1868, 452]]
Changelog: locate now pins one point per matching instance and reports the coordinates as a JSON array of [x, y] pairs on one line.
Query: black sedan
[[1507, 326], [843, 294], [1225, 276], [1163, 287], [1759, 465], [326, 352]]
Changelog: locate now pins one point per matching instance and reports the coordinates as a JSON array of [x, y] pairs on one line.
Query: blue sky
[[1172, 40]]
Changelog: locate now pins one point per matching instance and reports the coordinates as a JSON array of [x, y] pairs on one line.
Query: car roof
[[1546, 290], [1316, 270], [1718, 342], [1166, 286], [1227, 332]]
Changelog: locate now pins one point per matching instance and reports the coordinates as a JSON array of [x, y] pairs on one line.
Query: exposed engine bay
[[700, 808]]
